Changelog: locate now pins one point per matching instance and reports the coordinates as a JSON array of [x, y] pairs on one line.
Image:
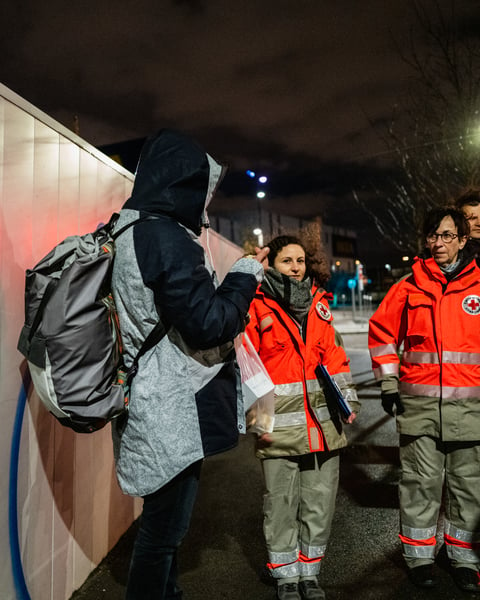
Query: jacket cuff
[[389, 384], [250, 266]]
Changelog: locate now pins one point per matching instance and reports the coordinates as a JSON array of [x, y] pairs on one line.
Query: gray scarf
[[294, 296], [451, 267], [452, 270]]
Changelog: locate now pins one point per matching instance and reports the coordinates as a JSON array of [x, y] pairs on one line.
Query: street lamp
[[259, 233], [260, 195], [261, 180]]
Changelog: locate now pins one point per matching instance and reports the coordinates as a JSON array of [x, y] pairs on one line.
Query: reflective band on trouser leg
[[462, 546], [310, 559], [418, 543], [280, 507], [283, 564]]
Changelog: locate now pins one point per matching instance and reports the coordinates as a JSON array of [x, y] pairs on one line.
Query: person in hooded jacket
[[183, 403], [291, 328], [433, 388]]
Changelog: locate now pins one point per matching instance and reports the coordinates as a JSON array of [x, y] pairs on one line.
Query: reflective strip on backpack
[[43, 384]]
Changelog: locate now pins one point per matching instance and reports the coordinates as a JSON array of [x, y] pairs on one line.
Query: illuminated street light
[[259, 233], [260, 194], [405, 258], [250, 173], [263, 179]]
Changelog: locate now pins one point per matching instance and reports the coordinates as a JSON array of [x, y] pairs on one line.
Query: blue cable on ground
[[17, 568]]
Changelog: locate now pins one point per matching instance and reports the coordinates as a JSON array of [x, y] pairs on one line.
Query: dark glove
[[391, 400]]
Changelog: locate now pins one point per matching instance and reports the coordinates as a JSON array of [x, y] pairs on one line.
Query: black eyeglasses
[[447, 238]]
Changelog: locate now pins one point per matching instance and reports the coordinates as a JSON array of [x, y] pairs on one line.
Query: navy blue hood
[[175, 177]]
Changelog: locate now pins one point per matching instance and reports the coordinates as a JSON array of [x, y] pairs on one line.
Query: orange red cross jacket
[[438, 324], [303, 422]]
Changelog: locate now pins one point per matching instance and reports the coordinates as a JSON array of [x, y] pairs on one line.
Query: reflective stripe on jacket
[[438, 324], [303, 422]]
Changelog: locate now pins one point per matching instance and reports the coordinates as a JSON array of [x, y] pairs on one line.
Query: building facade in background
[[256, 227]]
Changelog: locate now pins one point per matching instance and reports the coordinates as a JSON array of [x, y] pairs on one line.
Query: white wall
[[65, 502], [70, 510]]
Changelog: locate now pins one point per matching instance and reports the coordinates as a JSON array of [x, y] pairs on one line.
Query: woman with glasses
[[434, 391]]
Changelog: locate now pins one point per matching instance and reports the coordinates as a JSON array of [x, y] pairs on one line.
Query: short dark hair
[[469, 197], [435, 216]]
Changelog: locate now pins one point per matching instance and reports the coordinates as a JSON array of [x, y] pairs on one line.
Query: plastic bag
[[257, 387]]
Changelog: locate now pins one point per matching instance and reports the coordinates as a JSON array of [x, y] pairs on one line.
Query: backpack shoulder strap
[[114, 218], [157, 333]]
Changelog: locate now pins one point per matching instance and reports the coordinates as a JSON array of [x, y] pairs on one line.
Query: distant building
[[339, 244], [259, 226]]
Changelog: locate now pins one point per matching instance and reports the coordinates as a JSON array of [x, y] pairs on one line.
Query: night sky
[[290, 88]]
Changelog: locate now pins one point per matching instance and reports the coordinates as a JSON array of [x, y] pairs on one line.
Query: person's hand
[[350, 419], [392, 400], [264, 439], [261, 255]]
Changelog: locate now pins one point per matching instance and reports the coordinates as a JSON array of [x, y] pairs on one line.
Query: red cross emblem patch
[[471, 305], [324, 313]]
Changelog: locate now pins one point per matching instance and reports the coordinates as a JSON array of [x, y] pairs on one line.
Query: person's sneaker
[[422, 576], [311, 590], [288, 591], [467, 580]]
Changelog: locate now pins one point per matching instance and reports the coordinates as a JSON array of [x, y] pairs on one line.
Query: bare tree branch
[[434, 133]]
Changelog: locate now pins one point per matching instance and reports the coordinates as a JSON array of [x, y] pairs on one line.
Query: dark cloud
[[301, 73], [296, 88]]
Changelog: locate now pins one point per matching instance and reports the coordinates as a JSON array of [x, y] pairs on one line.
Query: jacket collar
[[426, 270]]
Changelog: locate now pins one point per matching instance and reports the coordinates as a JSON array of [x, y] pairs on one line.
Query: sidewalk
[[346, 322], [223, 556]]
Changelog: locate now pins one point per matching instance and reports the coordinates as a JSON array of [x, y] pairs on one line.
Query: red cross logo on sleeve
[[323, 312], [471, 305]]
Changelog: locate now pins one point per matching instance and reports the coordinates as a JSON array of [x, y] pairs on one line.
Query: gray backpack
[[71, 338]]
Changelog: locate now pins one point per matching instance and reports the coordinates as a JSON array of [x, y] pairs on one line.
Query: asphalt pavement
[[223, 555]]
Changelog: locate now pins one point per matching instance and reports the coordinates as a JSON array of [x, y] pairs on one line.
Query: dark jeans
[[164, 522]]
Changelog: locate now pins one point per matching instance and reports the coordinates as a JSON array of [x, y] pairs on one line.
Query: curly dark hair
[[315, 264]]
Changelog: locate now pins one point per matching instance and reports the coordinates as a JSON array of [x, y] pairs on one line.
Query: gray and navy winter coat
[[183, 400]]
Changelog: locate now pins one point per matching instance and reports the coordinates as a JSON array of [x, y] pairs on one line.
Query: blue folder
[[332, 389]]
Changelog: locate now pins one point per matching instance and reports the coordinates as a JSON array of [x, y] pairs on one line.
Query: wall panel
[[52, 184], [59, 498]]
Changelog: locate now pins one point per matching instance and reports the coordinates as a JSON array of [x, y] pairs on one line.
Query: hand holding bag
[[257, 387]]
